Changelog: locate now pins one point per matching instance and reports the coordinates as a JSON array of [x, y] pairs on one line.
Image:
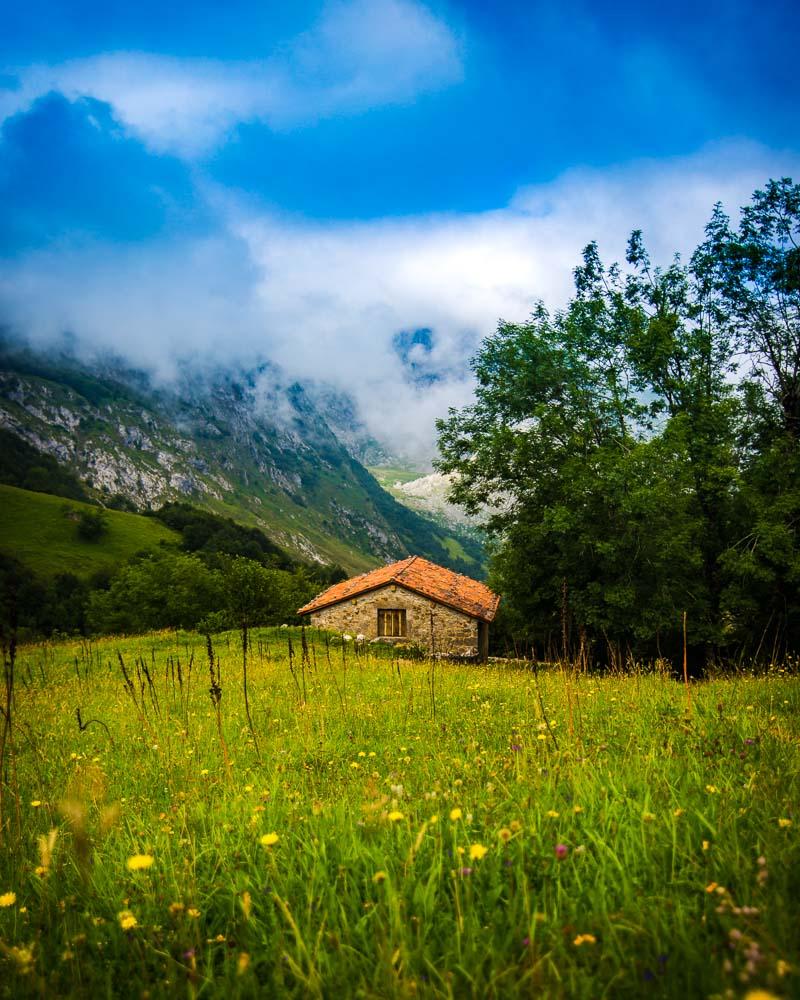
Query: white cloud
[[325, 300], [359, 54]]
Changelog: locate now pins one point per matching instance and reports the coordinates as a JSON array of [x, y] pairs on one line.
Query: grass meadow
[[387, 827], [36, 529]]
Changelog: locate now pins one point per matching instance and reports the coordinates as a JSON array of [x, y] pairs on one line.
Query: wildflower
[[465, 872], [542, 736], [504, 834], [242, 963], [204, 772], [782, 967], [138, 862], [711, 887], [379, 877], [193, 913], [434, 819], [269, 839], [22, 956], [678, 812], [648, 817], [552, 814], [712, 789], [247, 904], [760, 995], [176, 908], [35, 804], [8, 899], [561, 851], [577, 809], [127, 921], [395, 816], [706, 844], [784, 824], [516, 826], [584, 939], [455, 815], [477, 851]]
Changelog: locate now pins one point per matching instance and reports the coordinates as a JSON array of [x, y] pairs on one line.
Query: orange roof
[[423, 577]]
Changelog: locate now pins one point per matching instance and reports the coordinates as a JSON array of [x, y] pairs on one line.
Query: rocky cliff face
[[246, 444]]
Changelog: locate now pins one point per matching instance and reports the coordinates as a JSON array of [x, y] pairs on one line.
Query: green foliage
[[165, 591], [202, 531], [628, 848], [631, 477], [91, 525]]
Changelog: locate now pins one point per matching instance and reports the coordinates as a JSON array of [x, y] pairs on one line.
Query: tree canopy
[[636, 453]]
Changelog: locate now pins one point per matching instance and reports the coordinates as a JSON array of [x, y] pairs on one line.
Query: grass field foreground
[[393, 827]]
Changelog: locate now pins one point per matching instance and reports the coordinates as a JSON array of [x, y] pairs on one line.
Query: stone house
[[412, 601]]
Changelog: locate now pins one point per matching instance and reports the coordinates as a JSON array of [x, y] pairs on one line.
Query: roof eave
[[310, 608]]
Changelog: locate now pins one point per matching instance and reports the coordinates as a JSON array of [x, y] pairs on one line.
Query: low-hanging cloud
[[325, 301], [190, 105]]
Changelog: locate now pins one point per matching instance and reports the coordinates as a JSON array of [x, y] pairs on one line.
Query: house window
[[391, 622]]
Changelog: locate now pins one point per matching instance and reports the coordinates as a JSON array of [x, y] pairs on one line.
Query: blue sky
[[308, 179]]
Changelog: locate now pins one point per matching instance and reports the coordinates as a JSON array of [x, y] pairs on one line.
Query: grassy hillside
[[396, 829], [36, 529]]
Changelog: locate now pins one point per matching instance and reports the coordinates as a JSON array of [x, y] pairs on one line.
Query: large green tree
[[630, 448]]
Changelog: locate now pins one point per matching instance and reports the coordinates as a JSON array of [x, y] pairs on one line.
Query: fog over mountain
[[309, 186], [327, 302]]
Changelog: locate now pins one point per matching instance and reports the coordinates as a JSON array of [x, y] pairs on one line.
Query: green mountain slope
[[246, 445], [41, 531]]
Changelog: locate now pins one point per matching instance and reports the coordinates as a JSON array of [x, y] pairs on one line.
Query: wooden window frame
[[392, 623]]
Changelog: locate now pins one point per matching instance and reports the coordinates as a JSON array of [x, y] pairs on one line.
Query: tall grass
[[461, 831]]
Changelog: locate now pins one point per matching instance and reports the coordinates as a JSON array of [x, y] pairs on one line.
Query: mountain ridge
[[245, 443]]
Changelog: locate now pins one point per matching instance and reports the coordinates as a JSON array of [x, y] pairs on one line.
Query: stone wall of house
[[450, 631]]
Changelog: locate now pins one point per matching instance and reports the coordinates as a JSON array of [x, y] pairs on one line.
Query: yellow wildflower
[[269, 839], [395, 816], [242, 963], [760, 995], [379, 877], [504, 834], [784, 824], [176, 908], [455, 815], [712, 789], [35, 804], [584, 939], [711, 887], [678, 812], [706, 844], [193, 913], [8, 899], [577, 809], [648, 817], [247, 904], [434, 819], [127, 921], [552, 814], [138, 862], [477, 851]]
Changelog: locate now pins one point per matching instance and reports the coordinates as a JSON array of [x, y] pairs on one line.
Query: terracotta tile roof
[[421, 576]]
